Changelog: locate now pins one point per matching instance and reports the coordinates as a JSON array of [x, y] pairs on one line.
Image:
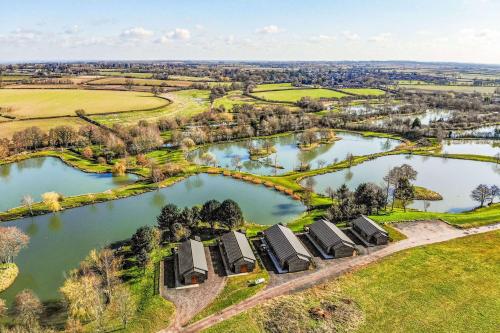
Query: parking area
[[190, 301]]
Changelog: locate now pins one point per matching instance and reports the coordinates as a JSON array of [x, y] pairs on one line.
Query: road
[[418, 233]]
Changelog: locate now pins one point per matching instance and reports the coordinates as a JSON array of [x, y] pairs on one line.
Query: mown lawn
[[474, 218], [185, 103], [293, 95], [35, 103], [445, 287]]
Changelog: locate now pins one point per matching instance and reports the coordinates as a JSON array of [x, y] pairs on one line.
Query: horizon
[[449, 31]]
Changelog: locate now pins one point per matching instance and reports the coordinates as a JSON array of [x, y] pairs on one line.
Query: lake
[[60, 241], [36, 176], [473, 147], [454, 179], [289, 156]]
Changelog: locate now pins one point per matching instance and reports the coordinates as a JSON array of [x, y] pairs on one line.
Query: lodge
[[192, 263], [369, 231], [237, 252], [287, 248], [331, 239]]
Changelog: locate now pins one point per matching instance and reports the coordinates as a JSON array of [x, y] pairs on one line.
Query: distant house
[[369, 230], [289, 251], [331, 239], [238, 252], [192, 262]]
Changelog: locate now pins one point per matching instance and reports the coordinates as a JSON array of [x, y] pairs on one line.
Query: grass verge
[[444, 287]]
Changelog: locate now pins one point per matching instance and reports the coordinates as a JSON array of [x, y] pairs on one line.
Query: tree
[[85, 298], [404, 192], [144, 238], [52, 200], [208, 212], [124, 305], [330, 192], [120, 168], [350, 159], [107, 265], [28, 308], [28, 201], [416, 123], [481, 193], [229, 214], [129, 83], [87, 152], [236, 162], [156, 175], [169, 215], [494, 192], [142, 258], [208, 159], [370, 196], [3, 308], [12, 240], [62, 136]]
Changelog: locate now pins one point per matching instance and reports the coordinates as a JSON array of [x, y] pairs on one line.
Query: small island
[[313, 137]]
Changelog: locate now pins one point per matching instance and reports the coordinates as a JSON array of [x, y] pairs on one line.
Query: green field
[[186, 103], [190, 78], [236, 98], [459, 88], [364, 91], [35, 103], [293, 95], [272, 86], [445, 287], [126, 74]]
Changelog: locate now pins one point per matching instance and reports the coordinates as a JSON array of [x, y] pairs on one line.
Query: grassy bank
[[8, 274], [473, 218], [433, 288]]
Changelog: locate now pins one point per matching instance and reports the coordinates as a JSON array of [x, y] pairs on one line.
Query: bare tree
[[12, 240], [28, 308], [124, 305], [481, 193], [28, 201]]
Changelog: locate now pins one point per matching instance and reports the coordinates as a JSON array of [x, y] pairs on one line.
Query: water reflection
[[288, 156]]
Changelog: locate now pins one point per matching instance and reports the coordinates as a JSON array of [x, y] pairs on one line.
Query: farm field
[[10, 127], [460, 88], [364, 91], [444, 287], [140, 82], [32, 103], [294, 95], [126, 74], [190, 78], [236, 98], [273, 86], [186, 103]]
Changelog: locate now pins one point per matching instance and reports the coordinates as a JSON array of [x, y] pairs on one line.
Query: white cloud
[[349, 35], [269, 29], [199, 27], [137, 33], [176, 34], [479, 35], [72, 30], [22, 36], [381, 38], [322, 38]]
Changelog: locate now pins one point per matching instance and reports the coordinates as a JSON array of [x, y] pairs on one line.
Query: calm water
[[474, 147], [453, 179], [36, 176], [492, 131], [289, 156], [425, 118], [60, 241]]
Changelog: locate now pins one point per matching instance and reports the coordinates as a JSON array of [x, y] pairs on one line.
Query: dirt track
[[418, 233]]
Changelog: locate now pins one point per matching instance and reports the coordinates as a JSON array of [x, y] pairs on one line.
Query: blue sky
[[438, 30]]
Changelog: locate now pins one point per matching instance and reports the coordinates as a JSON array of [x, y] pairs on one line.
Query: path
[[418, 233]]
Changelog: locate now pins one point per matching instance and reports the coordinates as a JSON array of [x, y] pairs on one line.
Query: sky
[[420, 30]]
